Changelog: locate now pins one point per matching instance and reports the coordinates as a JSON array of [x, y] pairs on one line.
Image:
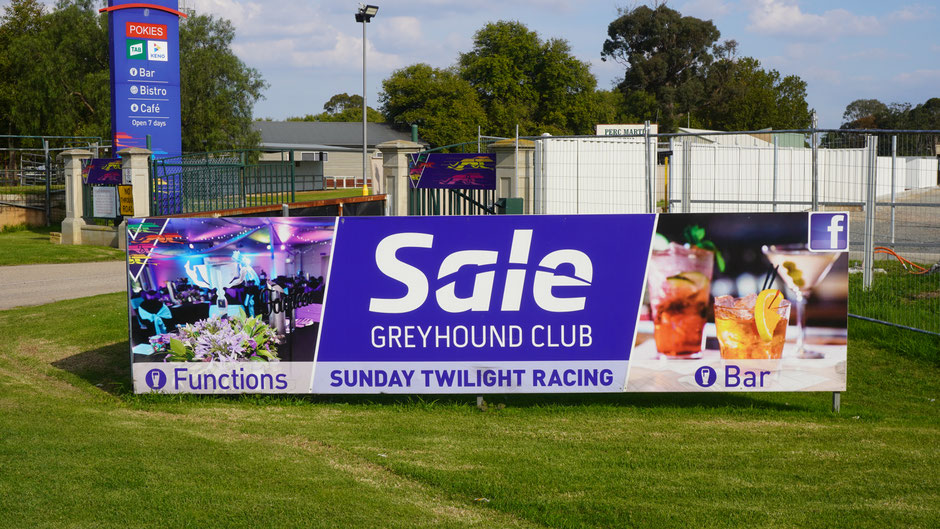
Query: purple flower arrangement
[[219, 339]]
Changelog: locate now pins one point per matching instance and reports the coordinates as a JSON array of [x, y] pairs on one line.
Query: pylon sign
[[145, 75]]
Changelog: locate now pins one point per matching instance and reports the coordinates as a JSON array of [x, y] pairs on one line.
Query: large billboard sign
[[145, 75], [500, 304]]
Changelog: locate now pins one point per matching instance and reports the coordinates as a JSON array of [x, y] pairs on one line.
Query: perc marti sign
[[513, 304]]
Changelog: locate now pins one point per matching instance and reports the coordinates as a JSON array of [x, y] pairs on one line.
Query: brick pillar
[[72, 225], [135, 166], [395, 168]]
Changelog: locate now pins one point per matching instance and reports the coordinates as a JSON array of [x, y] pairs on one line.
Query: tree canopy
[[678, 73], [54, 76], [445, 106], [345, 108], [217, 90], [873, 114], [509, 77]]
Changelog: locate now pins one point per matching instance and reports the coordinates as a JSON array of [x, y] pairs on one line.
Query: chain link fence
[[888, 181]]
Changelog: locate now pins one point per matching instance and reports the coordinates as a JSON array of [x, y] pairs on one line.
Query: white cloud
[[705, 9], [785, 18], [344, 53], [875, 54], [912, 13], [918, 77]]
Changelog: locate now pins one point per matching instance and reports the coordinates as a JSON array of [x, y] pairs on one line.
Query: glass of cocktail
[[801, 270], [678, 286], [753, 327]]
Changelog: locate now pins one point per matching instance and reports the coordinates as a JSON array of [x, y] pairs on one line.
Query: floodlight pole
[[364, 15]]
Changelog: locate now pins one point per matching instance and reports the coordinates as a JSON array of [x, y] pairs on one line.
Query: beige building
[[327, 155]]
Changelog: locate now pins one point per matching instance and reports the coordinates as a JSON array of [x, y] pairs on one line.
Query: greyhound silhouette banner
[[452, 171]]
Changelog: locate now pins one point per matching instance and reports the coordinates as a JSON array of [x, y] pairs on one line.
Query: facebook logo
[[828, 232]]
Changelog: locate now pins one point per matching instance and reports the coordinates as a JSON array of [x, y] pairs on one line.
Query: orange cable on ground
[[904, 262]]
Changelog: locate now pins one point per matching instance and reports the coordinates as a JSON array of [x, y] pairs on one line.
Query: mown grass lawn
[[22, 245], [77, 450]]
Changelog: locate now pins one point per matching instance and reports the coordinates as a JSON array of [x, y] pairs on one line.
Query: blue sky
[[308, 50]]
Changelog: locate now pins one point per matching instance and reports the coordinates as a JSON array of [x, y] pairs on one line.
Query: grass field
[[305, 196], [899, 296], [21, 245], [77, 450]]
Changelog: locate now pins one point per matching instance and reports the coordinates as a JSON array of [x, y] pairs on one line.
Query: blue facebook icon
[[828, 232]]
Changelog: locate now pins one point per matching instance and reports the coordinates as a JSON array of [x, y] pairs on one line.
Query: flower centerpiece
[[219, 339]]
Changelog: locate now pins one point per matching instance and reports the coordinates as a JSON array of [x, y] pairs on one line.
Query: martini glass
[[801, 270]]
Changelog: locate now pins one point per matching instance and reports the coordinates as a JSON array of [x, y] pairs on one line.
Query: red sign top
[[142, 30]]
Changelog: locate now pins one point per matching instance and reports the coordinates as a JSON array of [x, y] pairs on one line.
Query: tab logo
[[828, 232], [157, 51], [142, 30], [560, 268], [135, 49]]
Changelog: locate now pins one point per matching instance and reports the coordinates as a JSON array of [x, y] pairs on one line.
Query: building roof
[[322, 135]]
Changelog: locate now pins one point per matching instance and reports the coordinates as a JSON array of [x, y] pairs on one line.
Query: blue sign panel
[[145, 75], [538, 295]]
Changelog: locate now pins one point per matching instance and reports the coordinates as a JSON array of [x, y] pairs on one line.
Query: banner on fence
[[452, 171], [495, 304], [102, 171]]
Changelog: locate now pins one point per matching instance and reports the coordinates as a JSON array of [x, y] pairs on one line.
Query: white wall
[[598, 175]]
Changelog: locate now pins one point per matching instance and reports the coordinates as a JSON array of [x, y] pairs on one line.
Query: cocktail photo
[[741, 302], [227, 289]]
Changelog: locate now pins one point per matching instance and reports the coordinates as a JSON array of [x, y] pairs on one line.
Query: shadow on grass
[[574, 400], [107, 367]]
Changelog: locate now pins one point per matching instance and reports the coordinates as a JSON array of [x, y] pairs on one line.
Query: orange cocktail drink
[[753, 327], [678, 286]]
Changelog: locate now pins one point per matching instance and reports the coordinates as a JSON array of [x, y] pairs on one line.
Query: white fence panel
[[586, 175], [608, 175]]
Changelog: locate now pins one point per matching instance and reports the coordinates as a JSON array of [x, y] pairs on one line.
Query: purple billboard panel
[[542, 304], [101, 171], [452, 171], [488, 304]]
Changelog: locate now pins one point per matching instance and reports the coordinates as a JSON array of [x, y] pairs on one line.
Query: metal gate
[[195, 183], [32, 183]]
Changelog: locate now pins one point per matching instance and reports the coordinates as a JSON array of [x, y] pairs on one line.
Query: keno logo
[[157, 50], [544, 279], [146, 31]]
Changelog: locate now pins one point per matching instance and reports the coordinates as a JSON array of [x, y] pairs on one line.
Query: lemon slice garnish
[[765, 312]]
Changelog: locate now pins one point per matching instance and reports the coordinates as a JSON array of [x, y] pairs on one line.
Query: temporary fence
[[889, 181]]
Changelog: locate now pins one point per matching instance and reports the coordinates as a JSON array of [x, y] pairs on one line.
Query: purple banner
[[452, 171], [101, 171], [489, 304]]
